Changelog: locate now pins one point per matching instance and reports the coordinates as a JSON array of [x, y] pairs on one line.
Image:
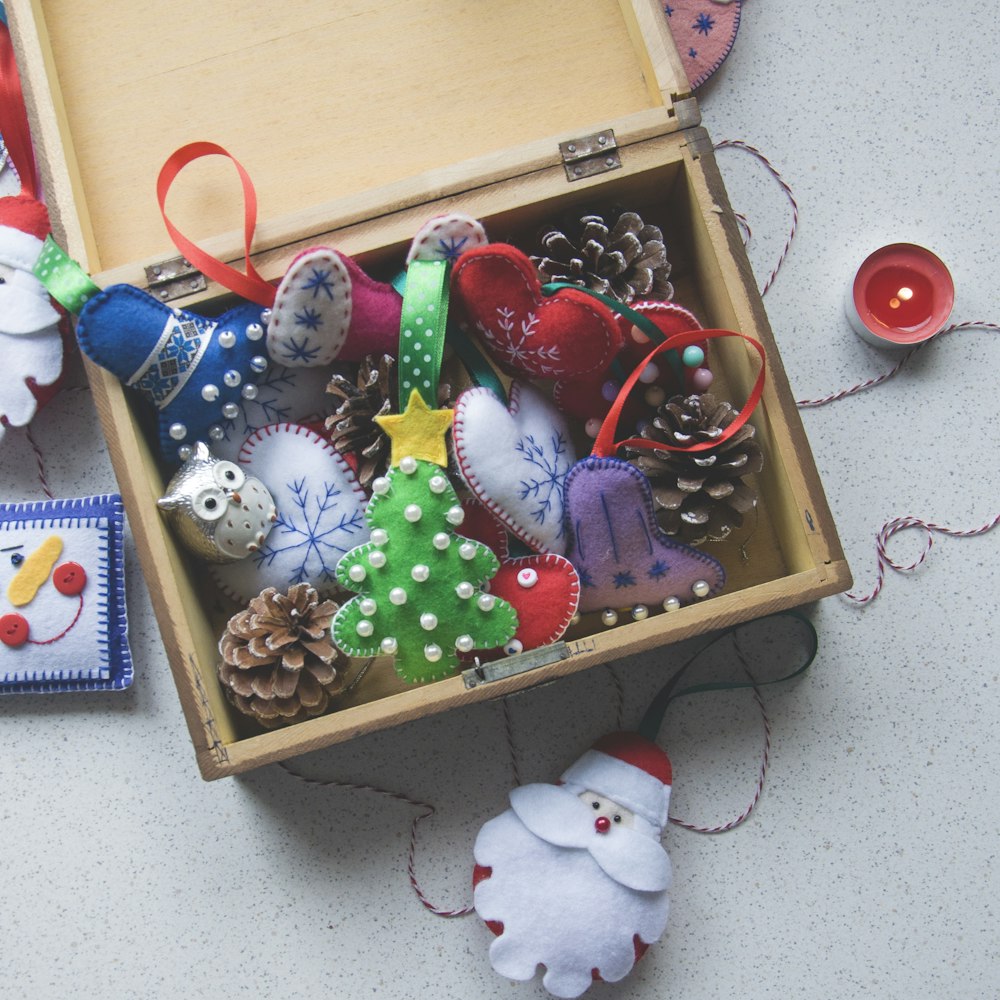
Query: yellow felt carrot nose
[[34, 572]]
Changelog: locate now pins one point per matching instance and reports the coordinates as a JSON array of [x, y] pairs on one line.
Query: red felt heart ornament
[[499, 297]]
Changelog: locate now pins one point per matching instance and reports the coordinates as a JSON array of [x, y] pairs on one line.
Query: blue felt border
[[111, 580]]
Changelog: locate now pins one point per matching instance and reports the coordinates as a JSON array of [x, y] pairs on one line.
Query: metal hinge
[[174, 278], [510, 666], [590, 155]]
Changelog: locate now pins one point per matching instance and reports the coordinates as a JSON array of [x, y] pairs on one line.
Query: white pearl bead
[[258, 363], [649, 374], [216, 433], [389, 645], [265, 317], [437, 484], [465, 644], [365, 628], [227, 339], [701, 588], [609, 616], [412, 512], [255, 331], [230, 411], [428, 621], [380, 536], [249, 391], [420, 572], [441, 540], [465, 590], [514, 647], [467, 550], [368, 606], [408, 464], [232, 378], [210, 393], [527, 578], [432, 652], [672, 604], [178, 432], [640, 612], [184, 452], [376, 559], [397, 596], [592, 427], [357, 573], [486, 602], [575, 620], [455, 515], [380, 486]]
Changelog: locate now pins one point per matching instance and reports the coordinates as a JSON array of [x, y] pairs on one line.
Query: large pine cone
[[627, 261], [699, 495], [279, 663]]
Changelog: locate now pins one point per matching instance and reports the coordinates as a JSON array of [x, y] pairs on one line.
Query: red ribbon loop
[[249, 286], [605, 445], [14, 118]]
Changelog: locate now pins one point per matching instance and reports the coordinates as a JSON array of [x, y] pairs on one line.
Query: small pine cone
[[699, 495], [279, 664], [627, 261], [352, 427]]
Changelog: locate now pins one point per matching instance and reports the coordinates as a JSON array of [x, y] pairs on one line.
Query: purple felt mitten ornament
[[623, 558], [328, 309]]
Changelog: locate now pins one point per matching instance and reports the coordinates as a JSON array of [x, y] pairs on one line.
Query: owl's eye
[[209, 504], [16, 559], [228, 475]]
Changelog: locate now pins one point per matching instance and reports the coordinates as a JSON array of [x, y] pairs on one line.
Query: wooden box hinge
[[174, 278], [590, 155], [484, 673]]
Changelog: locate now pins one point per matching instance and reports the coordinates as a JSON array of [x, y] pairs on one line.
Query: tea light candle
[[901, 296]]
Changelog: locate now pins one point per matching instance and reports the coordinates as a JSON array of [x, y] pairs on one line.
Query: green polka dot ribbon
[[422, 330], [64, 279]]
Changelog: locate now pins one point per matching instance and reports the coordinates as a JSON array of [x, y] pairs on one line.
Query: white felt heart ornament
[[515, 459], [321, 513], [446, 237]]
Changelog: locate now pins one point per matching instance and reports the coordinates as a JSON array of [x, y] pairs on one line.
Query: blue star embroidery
[[585, 579], [452, 247], [309, 318], [319, 282], [300, 352], [668, 10], [703, 23], [693, 53], [624, 579], [658, 570]]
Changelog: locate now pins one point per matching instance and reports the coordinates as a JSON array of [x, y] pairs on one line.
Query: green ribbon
[[63, 278], [422, 330], [649, 727]]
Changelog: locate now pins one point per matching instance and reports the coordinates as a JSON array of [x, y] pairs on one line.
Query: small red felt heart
[[564, 335]]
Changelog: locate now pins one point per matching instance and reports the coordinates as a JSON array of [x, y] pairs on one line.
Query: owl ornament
[[219, 512]]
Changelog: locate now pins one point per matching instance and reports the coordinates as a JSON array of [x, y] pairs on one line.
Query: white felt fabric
[[30, 345], [446, 237], [515, 459], [629, 786], [320, 513], [558, 907]]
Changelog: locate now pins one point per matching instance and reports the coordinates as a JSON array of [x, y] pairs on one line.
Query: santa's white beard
[[30, 345], [559, 909]]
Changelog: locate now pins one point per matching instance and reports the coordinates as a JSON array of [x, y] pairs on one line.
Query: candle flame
[[903, 295]]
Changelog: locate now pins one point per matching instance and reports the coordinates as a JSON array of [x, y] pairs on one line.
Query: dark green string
[[649, 727], [479, 369]]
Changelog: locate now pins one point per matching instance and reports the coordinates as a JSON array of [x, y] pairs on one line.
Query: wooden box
[[358, 122]]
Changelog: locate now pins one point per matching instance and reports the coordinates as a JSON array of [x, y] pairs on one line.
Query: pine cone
[[279, 663], [626, 262], [352, 427], [699, 495]]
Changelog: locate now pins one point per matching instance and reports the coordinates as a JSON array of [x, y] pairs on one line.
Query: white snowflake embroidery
[[512, 340], [544, 481]]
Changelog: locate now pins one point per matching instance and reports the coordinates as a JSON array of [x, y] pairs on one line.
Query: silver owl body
[[219, 512]]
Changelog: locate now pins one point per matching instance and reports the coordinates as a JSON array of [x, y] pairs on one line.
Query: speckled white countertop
[[869, 867]]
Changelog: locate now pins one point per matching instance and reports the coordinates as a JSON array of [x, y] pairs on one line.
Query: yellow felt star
[[418, 431]]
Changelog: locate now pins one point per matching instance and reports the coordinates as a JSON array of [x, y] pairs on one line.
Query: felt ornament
[[704, 32], [219, 512], [589, 397], [446, 237], [573, 877], [195, 370], [34, 334], [544, 590], [419, 583], [327, 309], [499, 297], [320, 514], [63, 621], [515, 458]]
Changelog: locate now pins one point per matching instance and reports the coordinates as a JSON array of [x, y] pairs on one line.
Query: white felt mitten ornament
[[573, 876]]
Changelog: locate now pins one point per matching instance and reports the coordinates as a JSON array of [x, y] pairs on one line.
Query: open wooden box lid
[[323, 103]]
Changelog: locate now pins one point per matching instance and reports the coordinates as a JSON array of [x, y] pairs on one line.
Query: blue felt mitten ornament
[[195, 370], [572, 878]]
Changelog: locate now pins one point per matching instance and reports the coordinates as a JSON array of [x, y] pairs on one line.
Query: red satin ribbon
[[605, 445], [14, 118], [249, 286]]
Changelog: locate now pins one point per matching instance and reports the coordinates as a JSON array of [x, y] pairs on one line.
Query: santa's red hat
[[630, 770], [24, 224]]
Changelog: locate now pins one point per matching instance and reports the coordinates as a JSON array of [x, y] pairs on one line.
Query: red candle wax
[[902, 295]]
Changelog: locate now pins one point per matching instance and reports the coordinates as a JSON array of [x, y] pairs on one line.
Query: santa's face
[[607, 813]]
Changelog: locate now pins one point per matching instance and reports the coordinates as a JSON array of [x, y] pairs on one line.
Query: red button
[[13, 630], [70, 578]]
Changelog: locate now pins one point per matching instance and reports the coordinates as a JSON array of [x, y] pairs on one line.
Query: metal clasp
[[590, 155], [174, 278]]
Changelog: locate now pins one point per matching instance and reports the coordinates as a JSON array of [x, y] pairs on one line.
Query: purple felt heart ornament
[[326, 309], [622, 556]]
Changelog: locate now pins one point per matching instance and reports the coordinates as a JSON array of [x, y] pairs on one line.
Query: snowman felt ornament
[[572, 877]]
